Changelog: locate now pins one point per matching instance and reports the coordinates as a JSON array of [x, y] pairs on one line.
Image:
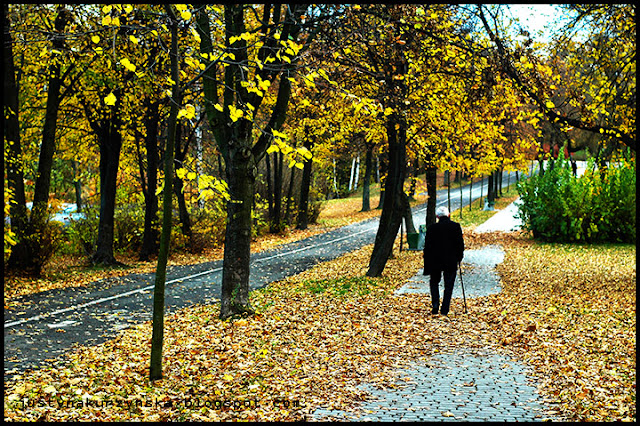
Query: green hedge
[[599, 206]]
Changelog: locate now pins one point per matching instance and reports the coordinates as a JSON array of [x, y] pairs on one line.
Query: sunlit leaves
[[188, 112], [110, 99], [127, 64]]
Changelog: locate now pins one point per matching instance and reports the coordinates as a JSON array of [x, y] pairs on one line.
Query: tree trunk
[[31, 259], [366, 186], [470, 191], [237, 250], [491, 195], [391, 215], [353, 170], [150, 236], [448, 177], [289, 198], [276, 222], [77, 185], [13, 155], [431, 178], [384, 170], [235, 140], [178, 185], [407, 214], [183, 213], [110, 142], [267, 159], [303, 207], [157, 337]]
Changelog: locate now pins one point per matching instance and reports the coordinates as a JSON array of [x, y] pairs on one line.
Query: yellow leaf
[[133, 39], [272, 148], [110, 99], [279, 134], [106, 20], [127, 64], [305, 152], [186, 15], [50, 389], [227, 377], [550, 105], [218, 107], [95, 39], [106, 9]]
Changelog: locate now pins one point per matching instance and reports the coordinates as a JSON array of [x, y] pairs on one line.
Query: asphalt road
[[48, 324]]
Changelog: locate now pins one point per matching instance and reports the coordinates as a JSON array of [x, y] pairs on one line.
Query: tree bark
[[303, 206], [366, 186], [110, 142], [276, 222], [157, 337], [491, 190], [407, 214], [151, 234], [237, 244], [178, 185], [391, 215], [289, 198], [431, 178], [13, 155], [235, 137], [33, 248]]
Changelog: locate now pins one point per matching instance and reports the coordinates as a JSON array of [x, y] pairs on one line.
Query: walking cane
[[462, 283]]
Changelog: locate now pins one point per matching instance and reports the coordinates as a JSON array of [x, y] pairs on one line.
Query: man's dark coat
[[443, 246]]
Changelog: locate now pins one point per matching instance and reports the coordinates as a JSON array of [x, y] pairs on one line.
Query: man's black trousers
[[434, 280]]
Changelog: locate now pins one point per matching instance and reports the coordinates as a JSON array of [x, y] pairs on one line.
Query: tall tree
[[231, 112], [33, 248], [11, 126], [157, 338]]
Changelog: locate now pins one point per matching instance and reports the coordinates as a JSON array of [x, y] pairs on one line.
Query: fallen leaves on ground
[[569, 311]]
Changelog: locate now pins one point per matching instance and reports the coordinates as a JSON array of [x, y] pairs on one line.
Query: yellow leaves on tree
[[110, 99]]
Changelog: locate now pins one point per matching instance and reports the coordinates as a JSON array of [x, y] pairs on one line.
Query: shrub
[[599, 206], [81, 234]]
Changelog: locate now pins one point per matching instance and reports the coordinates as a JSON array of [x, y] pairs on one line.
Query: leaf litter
[[567, 310]]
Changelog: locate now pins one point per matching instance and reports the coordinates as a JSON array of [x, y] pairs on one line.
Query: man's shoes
[[434, 312]]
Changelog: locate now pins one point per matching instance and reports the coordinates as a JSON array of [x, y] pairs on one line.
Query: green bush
[[599, 206], [128, 228], [82, 234]]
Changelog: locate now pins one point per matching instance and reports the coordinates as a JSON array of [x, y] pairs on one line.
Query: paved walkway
[[464, 385]]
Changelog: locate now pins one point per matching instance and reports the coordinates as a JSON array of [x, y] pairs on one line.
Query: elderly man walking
[[443, 250]]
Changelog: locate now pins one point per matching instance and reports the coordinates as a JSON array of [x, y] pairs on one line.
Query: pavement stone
[[467, 384]]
